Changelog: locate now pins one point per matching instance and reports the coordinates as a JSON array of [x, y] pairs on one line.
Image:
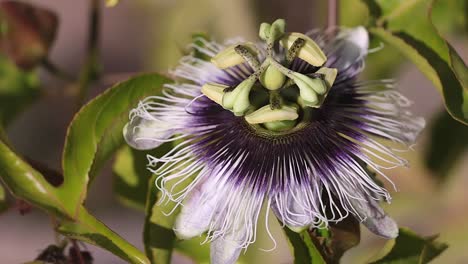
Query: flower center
[[273, 96]]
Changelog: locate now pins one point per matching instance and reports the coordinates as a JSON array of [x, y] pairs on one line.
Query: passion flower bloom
[[285, 123]]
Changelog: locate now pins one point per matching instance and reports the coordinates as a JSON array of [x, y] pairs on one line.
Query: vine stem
[[333, 14], [90, 69]]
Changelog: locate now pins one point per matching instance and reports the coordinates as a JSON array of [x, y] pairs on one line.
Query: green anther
[[280, 126], [307, 93], [230, 57], [267, 114], [293, 51], [242, 101], [330, 75], [310, 52], [272, 78], [316, 84], [238, 99], [248, 56], [214, 91]]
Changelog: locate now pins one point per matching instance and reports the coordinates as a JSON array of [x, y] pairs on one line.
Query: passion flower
[[283, 122]]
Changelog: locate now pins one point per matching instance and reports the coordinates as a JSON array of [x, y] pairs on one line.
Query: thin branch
[[90, 70], [333, 14], [56, 71]]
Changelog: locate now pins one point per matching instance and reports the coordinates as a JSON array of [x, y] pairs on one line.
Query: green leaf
[[401, 25], [448, 140], [18, 89], [96, 132], [410, 248], [131, 175], [27, 183], [303, 248], [89, 229]]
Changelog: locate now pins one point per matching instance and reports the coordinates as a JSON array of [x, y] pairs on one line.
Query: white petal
[[375, 218], [295, 207], [146, 134], [225, 250], [196, 214], [350, 46]]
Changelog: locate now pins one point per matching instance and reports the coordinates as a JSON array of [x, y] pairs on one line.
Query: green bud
[[330, 75], [264, 31], [214, 91], [279, 126], [267, 114], [272, 78], [230, 57], [238, 99], [310, 51]]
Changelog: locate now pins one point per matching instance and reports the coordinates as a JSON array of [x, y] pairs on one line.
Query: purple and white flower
[[301, 138]]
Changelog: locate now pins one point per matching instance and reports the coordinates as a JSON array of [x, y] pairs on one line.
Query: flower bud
[[267, 114], [214, 91], [272, 78], [230, 57], [310, 51]]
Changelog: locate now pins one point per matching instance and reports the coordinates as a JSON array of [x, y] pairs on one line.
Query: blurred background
[[150, 35]]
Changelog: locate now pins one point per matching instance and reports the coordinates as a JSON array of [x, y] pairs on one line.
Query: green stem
[[90, 69]]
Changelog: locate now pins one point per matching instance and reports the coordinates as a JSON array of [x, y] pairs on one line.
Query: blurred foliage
[[450, 16], [27, 32], [415, 37], [448, 141], [409, 248], [111, 3], [18, 89], [131, 175]]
